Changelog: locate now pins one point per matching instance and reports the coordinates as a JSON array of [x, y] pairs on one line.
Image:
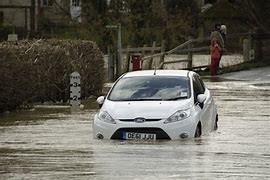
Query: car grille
[[132, 120], [160, 134]]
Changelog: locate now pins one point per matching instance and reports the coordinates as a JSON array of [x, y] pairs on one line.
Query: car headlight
[[178, 116], [104, 116]]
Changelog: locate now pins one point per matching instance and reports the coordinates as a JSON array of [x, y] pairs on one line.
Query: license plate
[[139, 136]]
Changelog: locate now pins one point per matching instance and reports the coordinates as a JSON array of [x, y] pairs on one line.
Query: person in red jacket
[[215, 51]]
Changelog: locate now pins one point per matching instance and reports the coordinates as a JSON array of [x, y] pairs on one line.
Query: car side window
[[198, 88], [202, 86]]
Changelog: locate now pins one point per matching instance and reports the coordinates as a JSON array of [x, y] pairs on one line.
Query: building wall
[[21, 17], [16, 16], [16, 2]]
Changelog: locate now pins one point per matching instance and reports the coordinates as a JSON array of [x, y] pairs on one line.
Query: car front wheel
[[198, 131], [216, 123]]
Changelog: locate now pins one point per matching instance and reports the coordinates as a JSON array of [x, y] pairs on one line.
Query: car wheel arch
[[216, 123], [198, 130]]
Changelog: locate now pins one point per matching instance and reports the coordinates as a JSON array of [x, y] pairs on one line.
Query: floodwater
[[49, 142]]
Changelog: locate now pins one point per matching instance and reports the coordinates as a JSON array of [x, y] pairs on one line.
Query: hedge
[[39, 71]]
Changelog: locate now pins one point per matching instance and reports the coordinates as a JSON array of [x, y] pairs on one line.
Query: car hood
[[145, 109]]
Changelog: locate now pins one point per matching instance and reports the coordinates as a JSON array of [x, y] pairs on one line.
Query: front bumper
[[163, 131]]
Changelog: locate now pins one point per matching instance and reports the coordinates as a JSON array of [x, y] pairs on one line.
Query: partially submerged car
[[156, 104]]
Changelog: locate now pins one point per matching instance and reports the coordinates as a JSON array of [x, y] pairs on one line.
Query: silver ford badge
[[139, 120]]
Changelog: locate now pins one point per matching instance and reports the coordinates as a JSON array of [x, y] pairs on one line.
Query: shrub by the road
[[39, 71]]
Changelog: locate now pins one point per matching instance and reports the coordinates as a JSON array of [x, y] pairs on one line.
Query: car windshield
[[151, 88]]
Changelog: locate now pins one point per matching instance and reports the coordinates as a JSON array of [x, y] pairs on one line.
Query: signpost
[[75, 90]]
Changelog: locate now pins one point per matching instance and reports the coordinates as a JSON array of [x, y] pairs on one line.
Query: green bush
[[39, 71]]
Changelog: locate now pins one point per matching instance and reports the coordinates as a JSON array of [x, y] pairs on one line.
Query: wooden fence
[[189, 47], [148, 54], [250, 45], [143, 51], [253, 46]]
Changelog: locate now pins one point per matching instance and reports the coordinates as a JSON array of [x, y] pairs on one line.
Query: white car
[[156, 104]]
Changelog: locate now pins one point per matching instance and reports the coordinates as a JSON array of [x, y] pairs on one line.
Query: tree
[[142, 21], [94, 11], [258, 13], [154, 20]]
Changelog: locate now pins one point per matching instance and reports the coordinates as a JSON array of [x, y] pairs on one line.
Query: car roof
[[182, 73]]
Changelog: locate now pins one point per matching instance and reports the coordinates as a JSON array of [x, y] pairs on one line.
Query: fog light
[[183, 135], [100, 136]]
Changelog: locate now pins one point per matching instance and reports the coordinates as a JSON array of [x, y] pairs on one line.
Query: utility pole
[[119, 45], [37, 14], [119, 48]]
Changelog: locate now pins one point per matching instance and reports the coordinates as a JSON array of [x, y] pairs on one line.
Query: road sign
[[75, 90]]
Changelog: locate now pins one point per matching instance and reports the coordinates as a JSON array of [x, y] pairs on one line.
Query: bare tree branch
[[254, 14]]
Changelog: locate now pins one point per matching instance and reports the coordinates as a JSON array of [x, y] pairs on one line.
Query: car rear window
[[150, 88]]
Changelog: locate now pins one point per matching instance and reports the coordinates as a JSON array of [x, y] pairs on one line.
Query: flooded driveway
[[49, 142]]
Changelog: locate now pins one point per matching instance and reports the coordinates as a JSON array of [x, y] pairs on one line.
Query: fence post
[[189, 65], [246, 50], [163, 55], [152, 52], [143, 54]]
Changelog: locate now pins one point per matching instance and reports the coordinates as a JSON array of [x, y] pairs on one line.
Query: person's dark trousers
[[214, 66], [219, 59]]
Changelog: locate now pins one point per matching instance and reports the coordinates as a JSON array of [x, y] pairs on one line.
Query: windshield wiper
[[145, 99], [176, 98], [149, 99]]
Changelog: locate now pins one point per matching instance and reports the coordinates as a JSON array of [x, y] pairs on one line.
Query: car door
[[204, 109]]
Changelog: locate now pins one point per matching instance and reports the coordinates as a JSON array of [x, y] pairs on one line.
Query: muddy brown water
[[49, 142]]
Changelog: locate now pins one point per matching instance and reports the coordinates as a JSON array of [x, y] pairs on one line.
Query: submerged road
[[50, 143], [259, 74]]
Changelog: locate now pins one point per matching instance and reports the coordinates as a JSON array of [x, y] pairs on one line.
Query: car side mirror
[[201, 98], [100, 100]]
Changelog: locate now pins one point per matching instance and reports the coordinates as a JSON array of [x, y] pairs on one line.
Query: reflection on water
[[52, 143]]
